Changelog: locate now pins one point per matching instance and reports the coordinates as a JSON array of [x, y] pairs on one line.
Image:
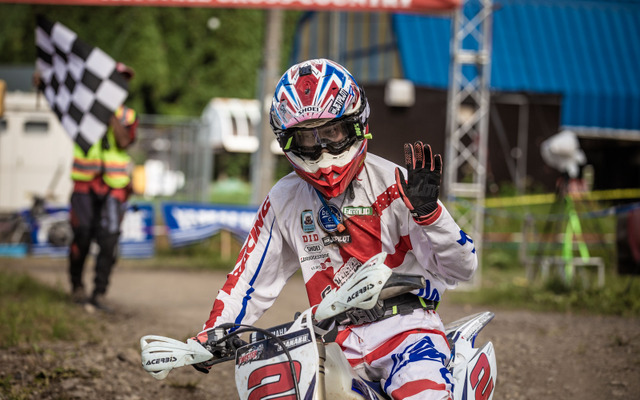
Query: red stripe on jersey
[[216, 311], [385, 199], [342, 336], [402, 247], [389, 346], [318, 283], [365, 231], [365, 238], [414, 387]]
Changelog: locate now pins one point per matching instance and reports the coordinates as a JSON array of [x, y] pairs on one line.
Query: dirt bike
[[22, 227], [266, 365]]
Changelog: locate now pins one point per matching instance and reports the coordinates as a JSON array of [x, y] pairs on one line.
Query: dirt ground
[[540, 355]]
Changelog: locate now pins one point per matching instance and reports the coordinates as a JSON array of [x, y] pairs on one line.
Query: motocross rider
[[340, 207]]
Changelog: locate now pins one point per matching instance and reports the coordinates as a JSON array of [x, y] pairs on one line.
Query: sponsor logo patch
[[338, 103], [251, 354], [283, 106], [348, 269], [309, 109], [329, 217], [312, 238], [354, 211], [326, 264], [313, 248], [314, 257], [162, 360], [338, 239], [306, 219], [359, 292], [294, 341]]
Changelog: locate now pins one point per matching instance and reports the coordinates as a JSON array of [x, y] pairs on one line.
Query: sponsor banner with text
[[415, 6], [190, 223], [136, 240]]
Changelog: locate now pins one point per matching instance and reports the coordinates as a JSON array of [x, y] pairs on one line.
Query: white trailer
[[36, 153]]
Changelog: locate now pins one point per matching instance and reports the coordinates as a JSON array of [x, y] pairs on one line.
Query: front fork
[[322, 357]]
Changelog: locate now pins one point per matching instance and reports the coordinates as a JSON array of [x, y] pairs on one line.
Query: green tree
[[180, 63]]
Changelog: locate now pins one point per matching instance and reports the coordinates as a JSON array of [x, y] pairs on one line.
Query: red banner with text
[[413, 6]]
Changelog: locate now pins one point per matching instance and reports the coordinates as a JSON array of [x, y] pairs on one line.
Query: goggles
[[335, 138]]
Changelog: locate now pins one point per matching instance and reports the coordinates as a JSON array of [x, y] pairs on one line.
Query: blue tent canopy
[[588, 51]]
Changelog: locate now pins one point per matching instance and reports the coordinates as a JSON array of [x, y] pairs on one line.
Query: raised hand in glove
[[421, 189]]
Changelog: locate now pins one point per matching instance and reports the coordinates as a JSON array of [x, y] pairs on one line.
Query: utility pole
[[263, 161]]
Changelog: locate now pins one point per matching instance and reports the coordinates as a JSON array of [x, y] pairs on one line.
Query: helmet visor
[[311, 142]]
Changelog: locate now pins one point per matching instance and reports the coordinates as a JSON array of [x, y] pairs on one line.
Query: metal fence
[[180, 146]]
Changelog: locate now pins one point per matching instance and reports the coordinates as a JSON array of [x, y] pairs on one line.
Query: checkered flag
[[80, 82]]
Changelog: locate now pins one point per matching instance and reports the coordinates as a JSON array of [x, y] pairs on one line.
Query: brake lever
[[215, 361]]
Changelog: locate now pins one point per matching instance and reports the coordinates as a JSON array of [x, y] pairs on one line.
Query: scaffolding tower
[[468, 111]]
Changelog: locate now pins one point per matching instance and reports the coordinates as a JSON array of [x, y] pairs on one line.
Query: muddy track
[[540, 355]]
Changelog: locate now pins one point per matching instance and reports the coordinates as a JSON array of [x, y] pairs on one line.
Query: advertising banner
[[137, 238], [190, 223], [51, 232], [416, 6], [52, 223]]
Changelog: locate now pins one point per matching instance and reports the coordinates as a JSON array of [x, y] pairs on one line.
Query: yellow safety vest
[[86, 166], [113, 162]]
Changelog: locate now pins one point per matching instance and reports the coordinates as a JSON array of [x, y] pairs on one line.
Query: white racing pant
[[406, 353]]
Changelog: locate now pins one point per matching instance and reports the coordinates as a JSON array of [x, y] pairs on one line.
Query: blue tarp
[[588, 51]]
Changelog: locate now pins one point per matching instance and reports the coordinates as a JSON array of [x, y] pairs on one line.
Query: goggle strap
[[359, 131], [288, 145]]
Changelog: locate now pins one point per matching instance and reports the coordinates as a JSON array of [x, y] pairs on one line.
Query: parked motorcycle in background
[[299, 360], [38, 223]]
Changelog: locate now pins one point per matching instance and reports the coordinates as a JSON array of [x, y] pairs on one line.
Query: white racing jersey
[[296, 229]]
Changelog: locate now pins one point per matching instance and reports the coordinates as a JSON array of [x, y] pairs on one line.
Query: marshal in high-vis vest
[[102, 185]]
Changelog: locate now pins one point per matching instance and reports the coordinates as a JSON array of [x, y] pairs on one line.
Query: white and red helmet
[[321, 95]]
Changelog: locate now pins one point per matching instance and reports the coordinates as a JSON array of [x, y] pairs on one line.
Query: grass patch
[[504, 283], [216, 253], [230, 191], [509, 288], [31, 312]]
